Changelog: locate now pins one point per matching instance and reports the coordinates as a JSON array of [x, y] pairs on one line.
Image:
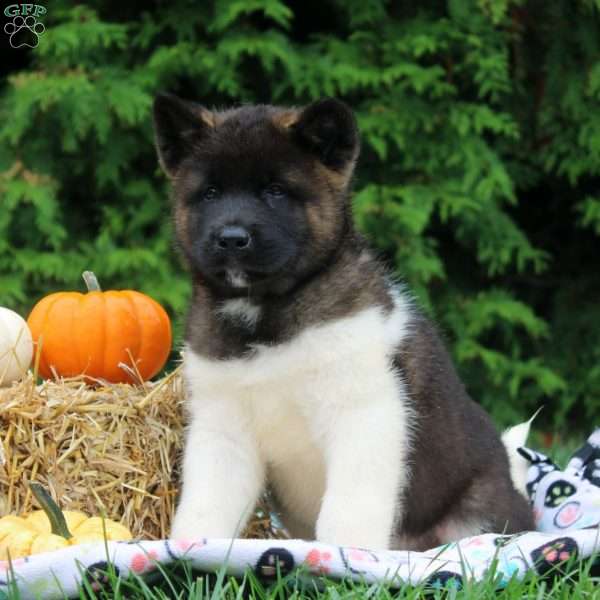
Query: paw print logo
[[24, 31]]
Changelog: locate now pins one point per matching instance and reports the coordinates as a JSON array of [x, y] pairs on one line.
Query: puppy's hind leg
[[490, 505]]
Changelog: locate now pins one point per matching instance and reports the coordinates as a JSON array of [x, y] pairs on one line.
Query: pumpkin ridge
[[103, 326], [165, 322], [67, 357], [121, 332], [87, 332], [45, 366], [77, 347], [157, 335], [135, 354], [144, 336]]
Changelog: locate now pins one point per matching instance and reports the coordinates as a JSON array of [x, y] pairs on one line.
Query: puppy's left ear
[[328, 128]]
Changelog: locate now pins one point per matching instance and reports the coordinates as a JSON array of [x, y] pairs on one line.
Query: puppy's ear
[[328, 128], [177, 125]]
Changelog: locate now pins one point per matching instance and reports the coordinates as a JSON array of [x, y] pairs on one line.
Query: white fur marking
[[237, 279], [241, 310], [326, 417], [513, 438]]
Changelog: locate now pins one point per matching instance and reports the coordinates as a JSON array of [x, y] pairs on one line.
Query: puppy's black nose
[[232, 238]]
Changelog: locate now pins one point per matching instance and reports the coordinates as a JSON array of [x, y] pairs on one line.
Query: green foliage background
[[479, 177]]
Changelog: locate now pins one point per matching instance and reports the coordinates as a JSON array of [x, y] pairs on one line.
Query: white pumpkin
[[16, 347]]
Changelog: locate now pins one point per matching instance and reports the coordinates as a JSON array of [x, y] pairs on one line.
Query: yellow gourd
[[51, 529]]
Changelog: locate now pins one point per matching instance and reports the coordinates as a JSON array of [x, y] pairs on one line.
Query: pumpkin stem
[[53, 512], [91, 281]]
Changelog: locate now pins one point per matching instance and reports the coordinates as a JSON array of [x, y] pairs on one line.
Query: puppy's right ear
[[177, 125]]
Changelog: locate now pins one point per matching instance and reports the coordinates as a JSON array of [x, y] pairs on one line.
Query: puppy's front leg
[[365, 455], [222, 473]]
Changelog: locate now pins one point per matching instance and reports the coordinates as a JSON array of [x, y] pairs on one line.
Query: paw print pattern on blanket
[[97, 576], [444, 579], [274, 560], [143, 562], [319, 561], [549, 556], [558, 492]]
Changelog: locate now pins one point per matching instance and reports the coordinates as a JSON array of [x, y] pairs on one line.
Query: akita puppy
[[306, 367]]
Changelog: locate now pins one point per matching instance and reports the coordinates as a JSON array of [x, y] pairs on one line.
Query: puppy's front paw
[[190, 524], [354, 522]]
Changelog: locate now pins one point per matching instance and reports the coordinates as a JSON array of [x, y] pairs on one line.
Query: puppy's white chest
[[289, 398]]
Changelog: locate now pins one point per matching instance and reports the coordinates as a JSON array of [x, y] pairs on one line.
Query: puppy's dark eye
[[211, 193], [274, 190]]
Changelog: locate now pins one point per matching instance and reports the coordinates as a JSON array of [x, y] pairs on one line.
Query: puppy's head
[[260, 192]]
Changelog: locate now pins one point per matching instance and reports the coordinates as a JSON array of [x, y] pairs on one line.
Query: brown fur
[[285, 119]]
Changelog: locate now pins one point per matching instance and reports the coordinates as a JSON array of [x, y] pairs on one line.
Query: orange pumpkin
[[93, 333]]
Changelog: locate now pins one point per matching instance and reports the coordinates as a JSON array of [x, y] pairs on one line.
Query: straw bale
[[107, 448]]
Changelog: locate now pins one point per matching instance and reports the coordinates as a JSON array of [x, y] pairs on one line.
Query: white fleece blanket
[[566, 506]]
